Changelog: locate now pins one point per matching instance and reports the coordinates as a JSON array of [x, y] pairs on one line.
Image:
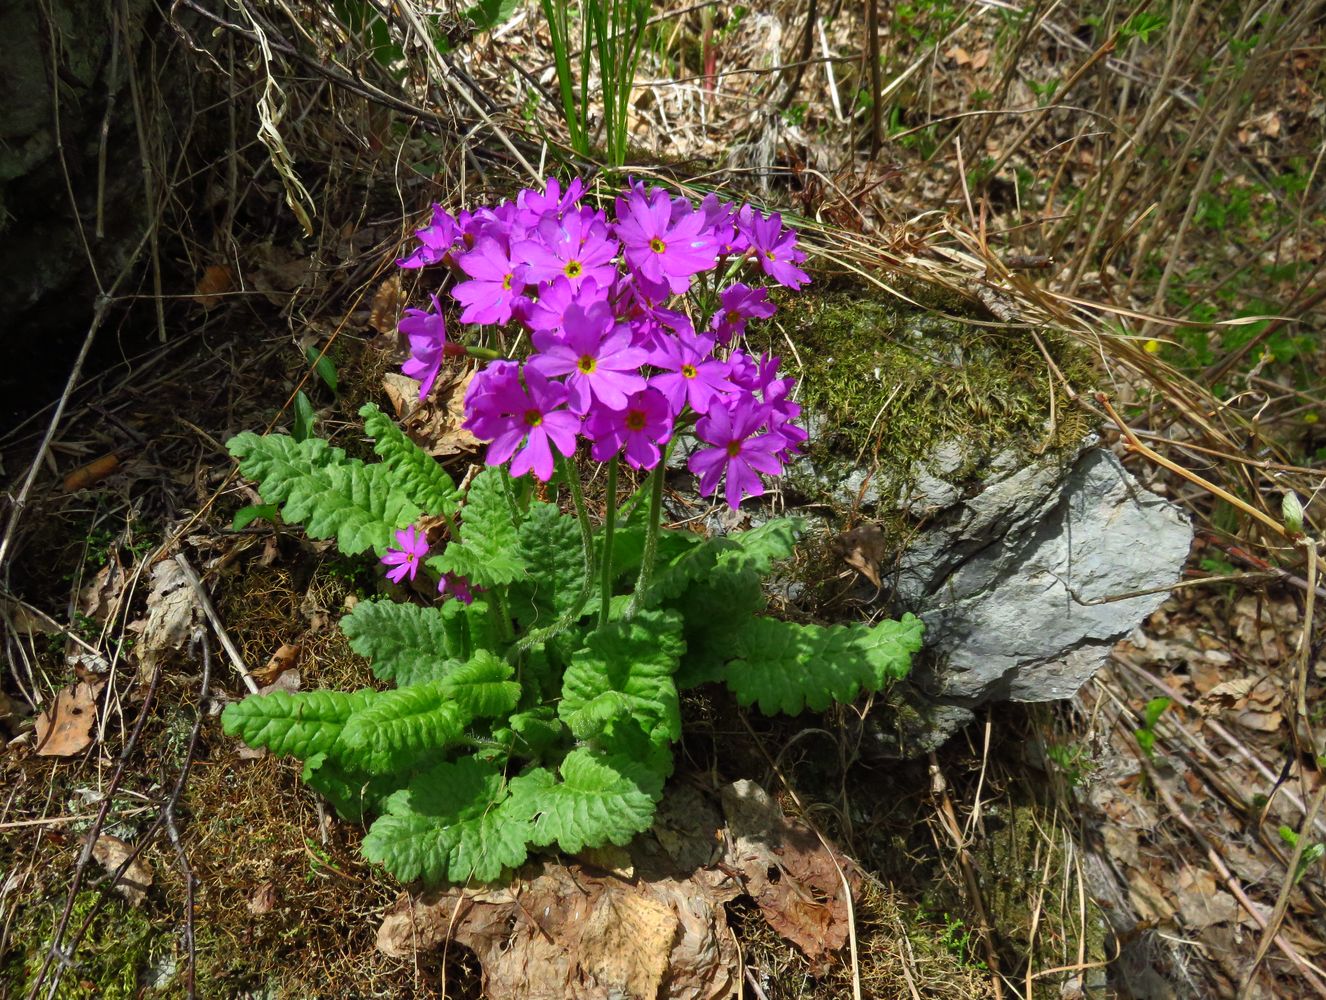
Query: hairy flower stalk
[[609, 528]]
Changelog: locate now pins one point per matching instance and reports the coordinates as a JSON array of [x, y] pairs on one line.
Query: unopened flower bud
[[1291, 513]]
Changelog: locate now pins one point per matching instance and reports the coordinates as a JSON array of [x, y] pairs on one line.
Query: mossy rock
[[895, 392]]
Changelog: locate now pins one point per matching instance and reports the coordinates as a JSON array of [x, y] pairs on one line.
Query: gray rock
[[1020, 583]]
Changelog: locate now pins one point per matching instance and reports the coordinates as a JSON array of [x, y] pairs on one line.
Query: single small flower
[[410, 551], [575, 247], [483, 416], [720, 220], [497, 281], [459, 587], [427, 333], [640, 428], [662, 249], [690, 372], [595, 352], [739, 453], [739, 303], [534, 206], [524, 424], [549, 312], [774, 247], [436, 241]]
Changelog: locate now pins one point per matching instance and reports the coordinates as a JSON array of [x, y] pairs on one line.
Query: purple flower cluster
[[409, 553], [618, 359]]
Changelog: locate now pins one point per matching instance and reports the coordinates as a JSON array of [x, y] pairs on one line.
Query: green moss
[[887, 384], [111, 961]]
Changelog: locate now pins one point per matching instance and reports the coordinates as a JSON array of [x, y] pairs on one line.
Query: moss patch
[[887, 384]]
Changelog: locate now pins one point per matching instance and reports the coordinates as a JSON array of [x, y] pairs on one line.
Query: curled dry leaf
[[99, 597], [65, 728], [111, 852], [263, 899], [796, 881], [388, 301], [434, 424], [172, 615], [215, 281], [285, 658], [863, 549], [567, 934]]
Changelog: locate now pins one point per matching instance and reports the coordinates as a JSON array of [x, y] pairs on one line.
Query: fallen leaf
[[287, 681], [863, 549], [66, 727], [959, 55], [133, 883], [980, 59], [172, 615], [793, 878], [99, 597], [285, 658], [91, 473], [263, 899], [216, 281], [388, 301], [567, 934], [434, 424], [1201, 901], [1227, 694]]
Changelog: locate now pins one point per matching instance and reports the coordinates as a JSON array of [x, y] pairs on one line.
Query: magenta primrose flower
[[427, 332], [663, 251], [459, 587], [531, 416], [595, 353], [549, 312], [690, 372], [436, 241], [576, 248], [739, 453], [774, 247], [410, 551], [640, 428], [739, 303], [553, 203], [497, 280]]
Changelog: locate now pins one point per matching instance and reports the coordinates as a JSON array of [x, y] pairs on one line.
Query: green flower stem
[[508, 631], [609, 525], [651, 539], [484, 353]]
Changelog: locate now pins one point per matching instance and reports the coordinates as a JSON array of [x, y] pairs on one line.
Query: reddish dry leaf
[[111, 853], [66, 727], [795, 880], [216, 281], [285, 658], [568, 934]]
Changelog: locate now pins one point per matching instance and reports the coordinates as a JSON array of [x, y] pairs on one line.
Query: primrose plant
[[537, 657]]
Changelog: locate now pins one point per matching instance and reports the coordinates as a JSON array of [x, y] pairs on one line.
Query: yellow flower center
[[635, 420], [769, 255], [688, 371], [506, 282], [733, 316], [586, 365], [657, 245], [533, 418], [573, 269]]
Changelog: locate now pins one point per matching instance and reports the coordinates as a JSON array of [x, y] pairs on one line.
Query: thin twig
[[228, 644]]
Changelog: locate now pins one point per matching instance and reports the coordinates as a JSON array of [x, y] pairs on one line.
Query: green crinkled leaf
[[398, 725], [554, 560], [450, 825], [407, 643], [481, 626], [601, 799], [353, 793], [713, 639], [758, 549], [488, 552], [300, 724], [359, 505], [625, 671], [532, 733], [483, 687], [785, 667], [416, 472]]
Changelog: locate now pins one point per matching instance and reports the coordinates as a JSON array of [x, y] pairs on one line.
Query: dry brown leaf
[[111, 852], [795, 880], [863, 549], [1227, 694], [980, 59], [959, 55], [172, 615], [216, 281], [263, 899], [568, 934], [435, 423], [1201, 901], [66, 727], [388, 301], [285, 658], [99, 597]]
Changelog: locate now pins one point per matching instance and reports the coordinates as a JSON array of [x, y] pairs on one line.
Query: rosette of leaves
[[521, 721]]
